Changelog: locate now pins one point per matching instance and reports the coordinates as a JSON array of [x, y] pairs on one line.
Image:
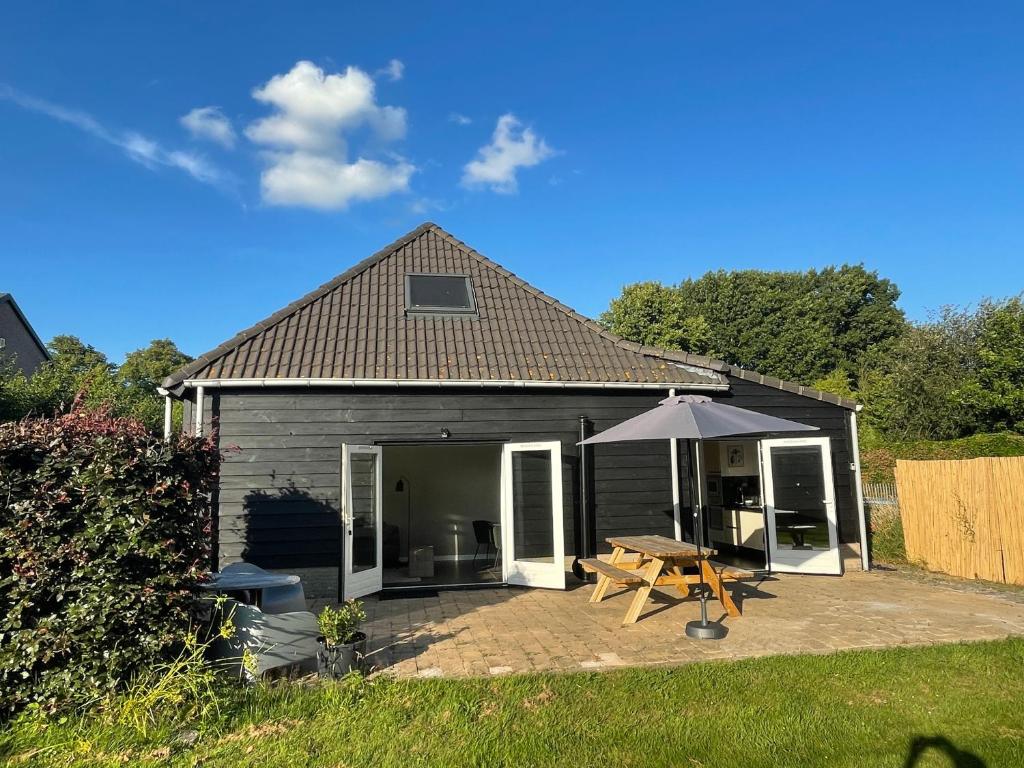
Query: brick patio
[[513, 630]]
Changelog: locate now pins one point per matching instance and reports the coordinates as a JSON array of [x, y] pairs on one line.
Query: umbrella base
[[712, 630]]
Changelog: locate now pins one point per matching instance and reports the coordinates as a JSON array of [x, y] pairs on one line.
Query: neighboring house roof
[[6, 298], [355, 328]]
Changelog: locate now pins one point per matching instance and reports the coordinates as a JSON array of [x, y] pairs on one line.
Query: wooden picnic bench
[[645, 562]]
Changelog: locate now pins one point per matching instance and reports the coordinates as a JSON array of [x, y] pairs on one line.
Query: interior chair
[[486, 534], [274, 641], [483, 532]]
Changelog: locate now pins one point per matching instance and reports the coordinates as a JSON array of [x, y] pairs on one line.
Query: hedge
[[104, 533]]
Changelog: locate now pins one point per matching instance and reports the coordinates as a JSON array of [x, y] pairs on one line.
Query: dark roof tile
[[355, 327]]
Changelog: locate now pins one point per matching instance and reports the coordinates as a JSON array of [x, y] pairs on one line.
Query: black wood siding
[[278, 499]]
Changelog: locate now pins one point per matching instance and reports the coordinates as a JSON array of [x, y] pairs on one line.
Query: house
[[415, 422], [19, 344]]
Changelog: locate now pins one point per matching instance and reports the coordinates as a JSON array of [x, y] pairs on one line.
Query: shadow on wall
[[289, 528], [922, 745]]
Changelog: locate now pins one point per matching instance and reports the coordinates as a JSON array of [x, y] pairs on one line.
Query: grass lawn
[[850, 709]]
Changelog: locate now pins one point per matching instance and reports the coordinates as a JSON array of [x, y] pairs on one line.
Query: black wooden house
[[415, 422]]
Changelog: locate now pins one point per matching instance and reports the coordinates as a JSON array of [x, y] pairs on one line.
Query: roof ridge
[[700, 361], [176, 378], [678, 356], [712, 365]]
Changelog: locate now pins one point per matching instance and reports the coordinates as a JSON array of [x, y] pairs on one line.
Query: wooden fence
[[965, 518]]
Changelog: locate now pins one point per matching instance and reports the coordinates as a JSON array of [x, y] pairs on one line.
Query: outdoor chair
[[271, 599], [283, 599], [241, 567]]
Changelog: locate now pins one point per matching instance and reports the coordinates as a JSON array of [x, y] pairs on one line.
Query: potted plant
[[342, 645]]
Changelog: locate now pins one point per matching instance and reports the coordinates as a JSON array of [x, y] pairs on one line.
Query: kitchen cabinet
[[740, 528]]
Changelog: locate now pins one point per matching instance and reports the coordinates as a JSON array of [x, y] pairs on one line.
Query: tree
[[913, 387], [78, 372], [650, 313], [76, 356], [145, 368], [996, 392], [140, 375], [800, 326]]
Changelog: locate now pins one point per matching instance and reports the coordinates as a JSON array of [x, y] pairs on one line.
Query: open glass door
[[800, 504], [361, 520], [533, 551]]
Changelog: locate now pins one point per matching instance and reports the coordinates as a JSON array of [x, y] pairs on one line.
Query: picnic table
[[645, 562]]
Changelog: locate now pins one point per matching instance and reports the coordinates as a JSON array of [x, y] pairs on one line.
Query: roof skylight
[[439, 294]]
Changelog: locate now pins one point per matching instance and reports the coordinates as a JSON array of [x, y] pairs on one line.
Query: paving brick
[[489, 632]]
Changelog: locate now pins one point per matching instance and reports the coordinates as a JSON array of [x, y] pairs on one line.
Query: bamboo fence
[[965, 518]]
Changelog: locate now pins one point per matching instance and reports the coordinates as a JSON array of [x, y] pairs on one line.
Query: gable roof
[[6, 298], [355, 328]]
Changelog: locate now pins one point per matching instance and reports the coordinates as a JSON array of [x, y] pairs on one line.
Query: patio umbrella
[[696, 418]]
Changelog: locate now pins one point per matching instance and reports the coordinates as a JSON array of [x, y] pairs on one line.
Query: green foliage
[[79, 373], [879, 456], [653, 314], [912, 387], [339, 625], [860, 709], [104, 532], [960, 373], [839, 382], [887, 543], [799, 326], [184, 688], [996, 392]]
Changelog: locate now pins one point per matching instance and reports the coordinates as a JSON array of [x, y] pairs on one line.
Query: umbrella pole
[[703, 629]]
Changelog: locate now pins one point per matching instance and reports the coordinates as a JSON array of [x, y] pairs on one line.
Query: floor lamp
[[400, 486]]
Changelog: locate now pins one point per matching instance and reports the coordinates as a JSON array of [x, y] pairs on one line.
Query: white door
[[533, 551], [800, 504], [361, 519]]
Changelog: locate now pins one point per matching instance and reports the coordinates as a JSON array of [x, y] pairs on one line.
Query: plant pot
[[336, 661]]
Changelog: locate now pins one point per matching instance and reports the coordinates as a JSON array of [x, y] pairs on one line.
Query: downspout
[[677, 509], [586, 522], [865, 559], [167, 417], [200, 396]]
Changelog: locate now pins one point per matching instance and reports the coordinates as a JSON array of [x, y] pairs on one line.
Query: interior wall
[[448, 486]]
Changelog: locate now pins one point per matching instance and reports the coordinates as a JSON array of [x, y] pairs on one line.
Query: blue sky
[[581, 150]]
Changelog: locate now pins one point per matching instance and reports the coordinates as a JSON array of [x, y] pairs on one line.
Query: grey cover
[[276, 640], [695, 417]]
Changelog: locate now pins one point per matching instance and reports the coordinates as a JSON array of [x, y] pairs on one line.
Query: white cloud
[[313, 108], [320, 181], [393, 71], [459, 119], [211, 124], [512, 147], [135, 146], [306, 139]]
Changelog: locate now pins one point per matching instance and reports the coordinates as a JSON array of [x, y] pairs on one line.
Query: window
[[439, 294]]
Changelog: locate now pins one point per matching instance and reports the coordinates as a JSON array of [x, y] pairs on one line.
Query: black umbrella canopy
[[695, 417]]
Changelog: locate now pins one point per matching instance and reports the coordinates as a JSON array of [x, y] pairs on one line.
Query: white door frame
[[801, 561], [524, 572], [371, 580]]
